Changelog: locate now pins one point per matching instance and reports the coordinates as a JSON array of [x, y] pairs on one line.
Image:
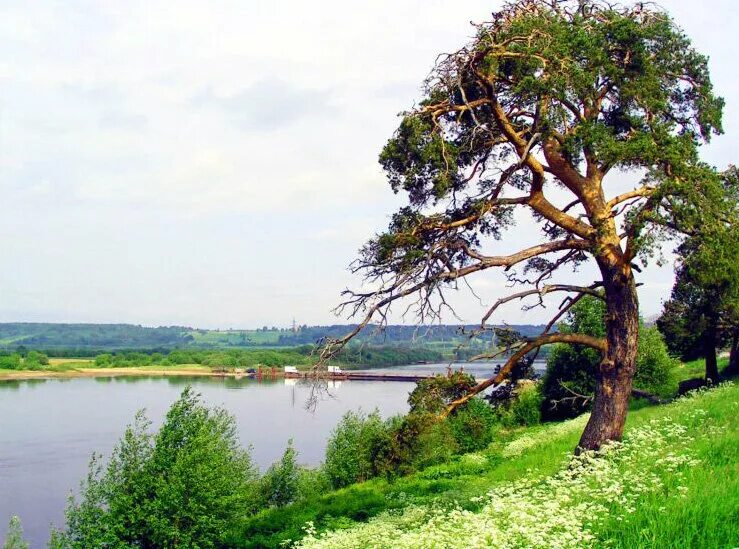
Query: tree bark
[[615, 373], [709, 349], [733, 368]]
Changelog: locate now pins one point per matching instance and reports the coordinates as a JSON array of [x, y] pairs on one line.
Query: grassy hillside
[[85, 338], [656, 489]]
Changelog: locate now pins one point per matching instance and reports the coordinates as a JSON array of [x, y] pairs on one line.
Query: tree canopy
[[549, 99], [183, 487], [703, 310]]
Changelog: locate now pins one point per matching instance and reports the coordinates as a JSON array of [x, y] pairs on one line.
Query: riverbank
[[656, 489], [92, 371], [178, 362]]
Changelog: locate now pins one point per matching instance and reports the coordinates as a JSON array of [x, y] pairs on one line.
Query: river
[[49, 428]]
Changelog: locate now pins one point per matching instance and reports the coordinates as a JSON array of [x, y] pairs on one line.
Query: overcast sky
[[214, 164]]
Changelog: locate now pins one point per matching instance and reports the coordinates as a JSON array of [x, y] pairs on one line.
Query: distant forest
[[128, 336]]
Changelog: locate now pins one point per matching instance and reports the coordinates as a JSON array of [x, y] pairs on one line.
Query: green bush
[[312, 483], [654, 364], [524, 409], [413, 442], [472, 425], [571, 369], [10, 362], [104, 361], [432, 395], [36, 360], [186, 486], [280, 484], [352, 446], [14, 537], [434, 443]]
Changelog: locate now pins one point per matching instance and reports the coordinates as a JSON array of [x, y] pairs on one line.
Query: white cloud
[[137, 135]]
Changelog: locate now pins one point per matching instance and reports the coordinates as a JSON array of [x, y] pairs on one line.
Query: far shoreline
[[12, 375]]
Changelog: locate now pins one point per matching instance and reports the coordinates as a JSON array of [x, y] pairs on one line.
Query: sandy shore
[[111, 372]]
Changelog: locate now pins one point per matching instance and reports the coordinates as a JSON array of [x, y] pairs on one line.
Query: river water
[[49, 428]]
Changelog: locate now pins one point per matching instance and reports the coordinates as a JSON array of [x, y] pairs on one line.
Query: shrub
[[525, 408], [434, 443], [10, 362], [351, 448], [653, 362], [434, 394], [571, 369], [413, 442], [14, 537], [279, 486], [35, 359], [472, 425], [184, 487], [312, 483], [103, 361]]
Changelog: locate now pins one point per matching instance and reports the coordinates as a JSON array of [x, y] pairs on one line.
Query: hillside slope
[[656, 489]]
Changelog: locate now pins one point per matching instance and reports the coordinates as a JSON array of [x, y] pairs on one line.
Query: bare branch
[[396, 290], [541, 292]]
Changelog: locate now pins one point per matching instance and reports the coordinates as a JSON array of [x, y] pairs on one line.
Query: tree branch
[[577, 339], [541, 292], [396, 291], [636, 193]]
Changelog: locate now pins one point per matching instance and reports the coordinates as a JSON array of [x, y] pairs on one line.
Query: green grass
[[705, 516], [693, 369]]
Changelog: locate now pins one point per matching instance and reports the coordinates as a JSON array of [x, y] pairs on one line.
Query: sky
[[214, 164]]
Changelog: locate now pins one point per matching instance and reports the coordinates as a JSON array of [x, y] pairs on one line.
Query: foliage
[[649, 490], [653, 362], [366, 356], [14, 537], [312, 483], [434, 394], [421, 438], [414, 442], [281, 483], [682, 322], [351, 448], [184, 486], [572, 368], [10, 362], [362, 446], [532, 452], [703, 310], [88, 340], [35, 360], [524, 409], [387, 355], [472, 425], [570, 375], [47, 335]]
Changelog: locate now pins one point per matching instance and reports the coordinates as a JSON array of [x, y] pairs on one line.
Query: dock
[[340, 375], [359, 376]]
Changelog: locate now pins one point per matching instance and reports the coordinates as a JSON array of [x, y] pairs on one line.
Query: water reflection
[[49, 428]]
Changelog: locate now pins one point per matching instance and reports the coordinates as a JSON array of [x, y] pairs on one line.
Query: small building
[[334, 370], [291, 370]]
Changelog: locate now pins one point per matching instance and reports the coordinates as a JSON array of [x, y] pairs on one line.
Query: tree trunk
[[709, 349], [733, 368], [615, 373]]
